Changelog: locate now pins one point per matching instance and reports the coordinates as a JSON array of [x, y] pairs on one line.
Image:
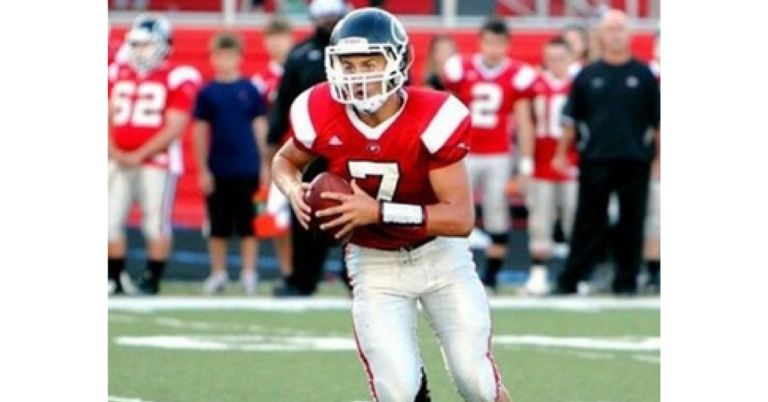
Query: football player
[[492, 85], [403, 149], [149, 106], [548, 192], [275, 221]]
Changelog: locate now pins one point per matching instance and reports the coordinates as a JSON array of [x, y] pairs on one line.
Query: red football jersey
[[140, 102], [490, 95], [267, 82], [392, 161], [549, 95]]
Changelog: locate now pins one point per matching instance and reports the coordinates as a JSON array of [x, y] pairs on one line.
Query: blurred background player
[[275, 221], [149, 105], [548, 193], [492, 85], [304, 67], [403, 150], [230, 146], [653, 219], [614, 103], [441, 48], [579, 40]]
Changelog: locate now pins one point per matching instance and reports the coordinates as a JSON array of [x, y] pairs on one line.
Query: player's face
[[576, 42], [278, 45], [226, 61], [493, 48], [556, 60], [365, 64]]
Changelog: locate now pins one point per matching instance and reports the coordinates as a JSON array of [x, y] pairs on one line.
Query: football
[[325, 182]]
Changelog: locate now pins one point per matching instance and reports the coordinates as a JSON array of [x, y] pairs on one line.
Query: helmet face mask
[[367, 32], [149, 40]]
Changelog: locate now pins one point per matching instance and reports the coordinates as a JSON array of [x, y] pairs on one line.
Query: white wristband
[[525, 167], [393, 213]]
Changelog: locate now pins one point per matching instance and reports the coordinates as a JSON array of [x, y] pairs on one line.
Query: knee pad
[[477, 385], [154, 228]]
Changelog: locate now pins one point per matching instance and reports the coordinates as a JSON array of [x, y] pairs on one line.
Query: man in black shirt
[[614, 106], [304, 67]]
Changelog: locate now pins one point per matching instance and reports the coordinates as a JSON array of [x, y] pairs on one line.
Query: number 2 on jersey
[[388, 171], [486, 102], [145, 111]]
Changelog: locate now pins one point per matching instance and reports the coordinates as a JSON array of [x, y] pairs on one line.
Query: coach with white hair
[[614, 112]]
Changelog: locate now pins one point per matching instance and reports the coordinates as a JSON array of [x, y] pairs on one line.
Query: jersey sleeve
[[258, 108], [452, 73], [301, 128], [522, 81], [203, 110], [113, 71], [447, 135], [183, 83]]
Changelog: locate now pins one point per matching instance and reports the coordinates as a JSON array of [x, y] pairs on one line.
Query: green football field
[[229, 349]]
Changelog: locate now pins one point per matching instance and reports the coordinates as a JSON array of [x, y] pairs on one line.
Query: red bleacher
[[191, 47]]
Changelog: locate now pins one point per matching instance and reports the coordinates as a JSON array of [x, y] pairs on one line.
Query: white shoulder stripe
[[303, 129], [444, 124], [453, 70], [524, 78], [113, 69], [181, 75]]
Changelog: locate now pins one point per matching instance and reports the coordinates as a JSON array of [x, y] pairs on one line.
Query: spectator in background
[[614, 104], [441, 48], [275, 220], [229, 137], [493, 86], [548, 193], [653, 220], [304, 67], [578, 40]]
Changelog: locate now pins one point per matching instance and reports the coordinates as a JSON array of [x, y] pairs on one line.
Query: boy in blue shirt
[[230, 148]]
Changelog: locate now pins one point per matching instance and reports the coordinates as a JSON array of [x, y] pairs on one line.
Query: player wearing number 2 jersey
[[403, 150], [149, 105], [549, 194], [492, 86]]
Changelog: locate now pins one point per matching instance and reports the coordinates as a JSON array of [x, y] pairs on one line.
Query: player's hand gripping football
[[300, 207], [358, 209]]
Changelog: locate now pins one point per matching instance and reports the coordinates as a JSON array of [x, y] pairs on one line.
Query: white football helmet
[[367, 31], [149, 41]]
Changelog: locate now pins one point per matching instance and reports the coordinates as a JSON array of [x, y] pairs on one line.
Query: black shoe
[[148, 285], [289, 291]]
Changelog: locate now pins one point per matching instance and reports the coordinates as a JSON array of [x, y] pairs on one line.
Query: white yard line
[[272, 343], [342, 304]]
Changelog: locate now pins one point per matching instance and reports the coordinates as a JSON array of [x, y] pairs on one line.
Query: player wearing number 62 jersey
[[403, 149], [149, 106], [492, 86]]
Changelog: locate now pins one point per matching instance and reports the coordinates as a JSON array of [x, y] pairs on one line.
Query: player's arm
[[287, 166], [453, 215], [260, 132], [200, 137], [113, 151], [572, 112], [175, 122], [525, 136]]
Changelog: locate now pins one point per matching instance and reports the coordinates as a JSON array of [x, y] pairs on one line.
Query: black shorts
[[230, 206]]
